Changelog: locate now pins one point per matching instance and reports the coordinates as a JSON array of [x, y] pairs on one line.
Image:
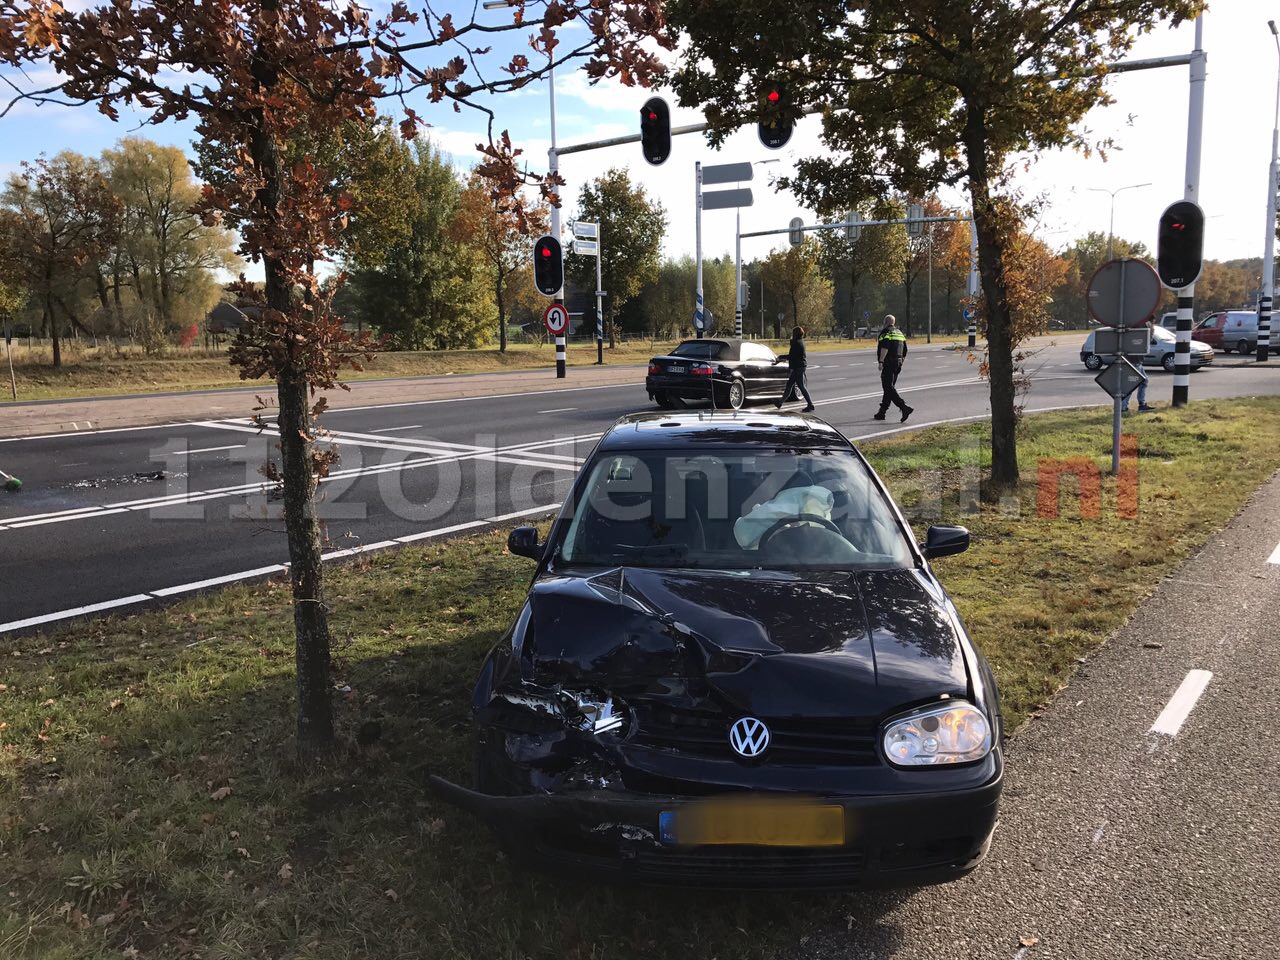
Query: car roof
[[694, 430]]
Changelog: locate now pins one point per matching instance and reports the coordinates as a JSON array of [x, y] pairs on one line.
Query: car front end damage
[[603, 732]]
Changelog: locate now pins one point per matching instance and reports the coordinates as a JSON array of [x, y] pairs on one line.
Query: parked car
[[727, 372], [736, 667], [1160, 352], [1229, 330]]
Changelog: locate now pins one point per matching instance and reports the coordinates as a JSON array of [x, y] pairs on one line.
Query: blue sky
[[1148, 121]]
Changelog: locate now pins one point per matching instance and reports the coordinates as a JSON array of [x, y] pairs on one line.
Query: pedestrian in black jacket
[[798, 361]]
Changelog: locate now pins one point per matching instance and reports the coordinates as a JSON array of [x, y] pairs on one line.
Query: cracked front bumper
[[891, 840]]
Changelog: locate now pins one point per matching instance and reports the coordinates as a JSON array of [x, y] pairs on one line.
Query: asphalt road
[[96, 527], [1139, 817]]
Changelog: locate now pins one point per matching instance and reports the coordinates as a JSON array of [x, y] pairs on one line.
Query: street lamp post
[[1111, 228], [1269, 245]]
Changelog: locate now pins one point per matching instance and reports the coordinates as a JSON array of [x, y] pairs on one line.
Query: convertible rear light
[[654, 368], [702, 370]]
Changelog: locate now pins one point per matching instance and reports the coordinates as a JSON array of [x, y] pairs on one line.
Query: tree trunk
[[310, 616], [1004, 440], [502, 320], [53, 329]]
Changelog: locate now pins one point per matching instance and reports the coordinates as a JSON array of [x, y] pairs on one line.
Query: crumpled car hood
[[837, 644]]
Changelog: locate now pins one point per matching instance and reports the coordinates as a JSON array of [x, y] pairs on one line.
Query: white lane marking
[[834, 379], [234, 446], [1275, 556], [531, 449], [264, 571], [544, 464], [558, 410], [217, 581], [1176, 711], [858, 364], [1102, 828], [172, 424], [915, 389], [469, 525], [416, 426], [74, 612]]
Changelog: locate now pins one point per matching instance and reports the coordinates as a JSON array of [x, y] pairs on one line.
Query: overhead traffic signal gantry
[[655, 130], [548, 266], [774, 130], [1180, 244]]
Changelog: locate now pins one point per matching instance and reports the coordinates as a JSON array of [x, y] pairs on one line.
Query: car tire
[[1243, 348], [663, 400], [737, 394], [1093, 362], [1167, 362]]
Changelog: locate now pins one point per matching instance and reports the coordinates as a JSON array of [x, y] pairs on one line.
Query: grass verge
[[149, 805], [97, 372]]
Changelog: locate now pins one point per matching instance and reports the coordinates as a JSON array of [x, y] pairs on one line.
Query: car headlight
[[955, 732]]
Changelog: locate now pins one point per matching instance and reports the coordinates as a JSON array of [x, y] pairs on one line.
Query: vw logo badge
[[749, 737]]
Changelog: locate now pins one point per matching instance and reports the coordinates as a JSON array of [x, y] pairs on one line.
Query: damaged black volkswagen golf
[[735, 668]]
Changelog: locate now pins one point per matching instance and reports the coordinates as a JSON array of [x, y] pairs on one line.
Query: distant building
[[225, 318]]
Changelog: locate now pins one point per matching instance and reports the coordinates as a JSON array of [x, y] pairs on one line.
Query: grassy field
[[150, 806], [92, 372]]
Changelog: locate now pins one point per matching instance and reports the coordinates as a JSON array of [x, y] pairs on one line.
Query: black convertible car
[[726, 373], [735, 667]]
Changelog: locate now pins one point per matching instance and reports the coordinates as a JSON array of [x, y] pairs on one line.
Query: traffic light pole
[[553, 165], [1187, 295], [1269, 241]]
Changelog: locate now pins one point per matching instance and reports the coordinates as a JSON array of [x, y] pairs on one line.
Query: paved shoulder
[[1139, 817]]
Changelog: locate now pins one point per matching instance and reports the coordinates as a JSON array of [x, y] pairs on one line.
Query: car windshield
[[702, 350], [770, 509]]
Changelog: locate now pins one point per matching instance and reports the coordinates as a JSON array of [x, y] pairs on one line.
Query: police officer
[[891, 351], [797, 361]]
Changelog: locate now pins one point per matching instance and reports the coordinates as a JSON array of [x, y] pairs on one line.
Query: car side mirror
[[523, 542], [943, 541]]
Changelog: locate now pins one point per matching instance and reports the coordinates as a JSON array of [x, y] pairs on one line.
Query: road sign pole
[[599, 294], [737, 272], [697, 232], [1187, 296], [1117, 407]]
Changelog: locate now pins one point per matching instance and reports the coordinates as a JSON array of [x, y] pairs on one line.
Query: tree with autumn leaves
[[262, 76], [915, 94]]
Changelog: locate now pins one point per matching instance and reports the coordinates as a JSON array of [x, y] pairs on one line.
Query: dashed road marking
[[234, 446], [1275, 556], [1179, 707], [559, 410]]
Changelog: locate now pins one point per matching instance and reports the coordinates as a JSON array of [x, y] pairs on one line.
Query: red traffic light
[[774, 96], [545, 251], [655, 130]]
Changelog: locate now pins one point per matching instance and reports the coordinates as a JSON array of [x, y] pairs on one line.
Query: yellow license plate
[[754, 822]]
